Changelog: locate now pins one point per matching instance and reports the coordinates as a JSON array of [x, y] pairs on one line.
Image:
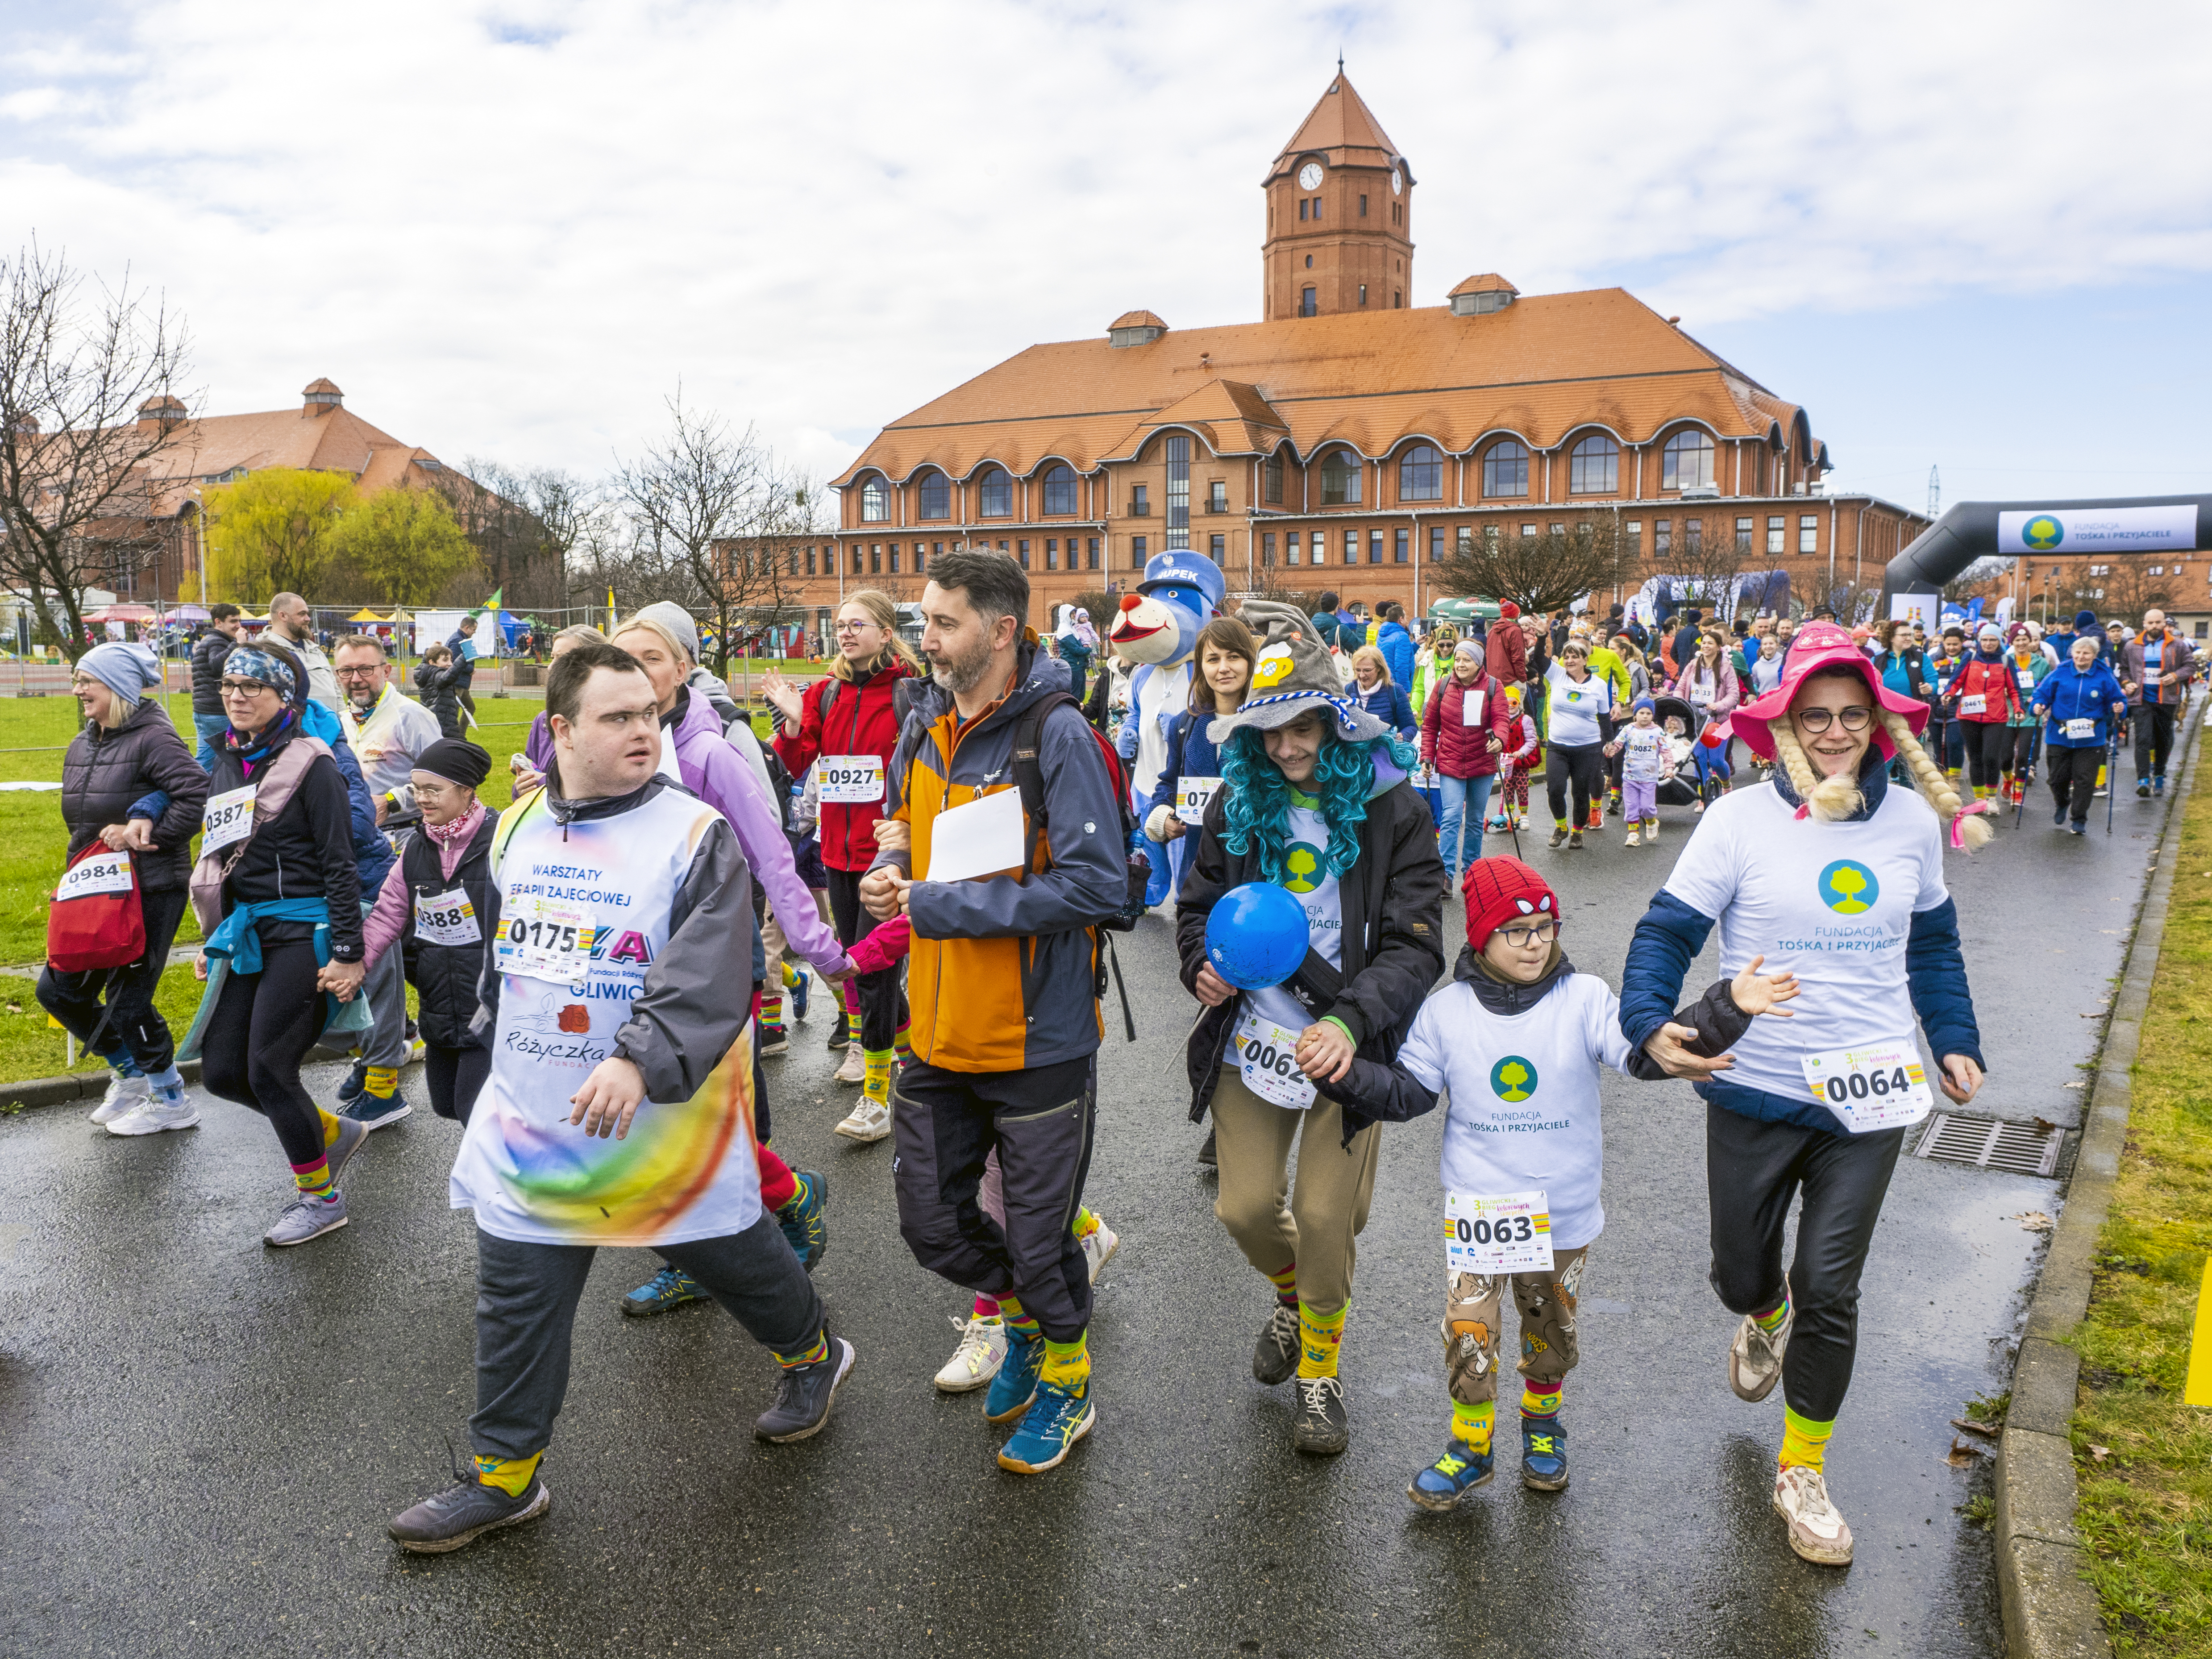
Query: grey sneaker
[[1324, 1427], [464, 1513], [803, 1394], [306, 1217], [340, 1152], [1755, 1357], [1275, 1356], [125, 1094]]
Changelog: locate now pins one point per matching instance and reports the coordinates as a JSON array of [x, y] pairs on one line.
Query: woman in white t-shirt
[[1574, 701], [1830, 872]]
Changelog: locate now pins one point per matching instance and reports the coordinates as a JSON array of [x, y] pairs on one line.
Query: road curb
[[2049, 1609], [70, 1085]]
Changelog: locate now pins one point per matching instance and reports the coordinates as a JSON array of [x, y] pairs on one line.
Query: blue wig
[[1257, 808]]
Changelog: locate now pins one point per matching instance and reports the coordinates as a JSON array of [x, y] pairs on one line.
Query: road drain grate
[[1991, 1144]]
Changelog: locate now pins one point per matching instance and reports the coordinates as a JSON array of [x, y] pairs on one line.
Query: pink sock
[[987, 1307]]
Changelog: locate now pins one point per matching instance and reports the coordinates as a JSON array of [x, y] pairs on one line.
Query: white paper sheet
[[980, 839]]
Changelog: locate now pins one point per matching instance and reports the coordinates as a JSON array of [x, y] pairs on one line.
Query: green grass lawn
[[2144, 1458]]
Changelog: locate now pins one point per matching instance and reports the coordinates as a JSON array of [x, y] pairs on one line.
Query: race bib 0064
[[1881, 1085], [1507, 1234]]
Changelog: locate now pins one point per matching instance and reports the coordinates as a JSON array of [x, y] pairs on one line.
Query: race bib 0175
[[1507, 1234], [546, 938]]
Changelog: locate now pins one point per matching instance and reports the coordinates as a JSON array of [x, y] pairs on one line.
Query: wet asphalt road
[[201, 1440]]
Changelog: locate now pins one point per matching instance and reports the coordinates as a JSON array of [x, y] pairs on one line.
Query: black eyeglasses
[[1542, 932], [1856, 717]]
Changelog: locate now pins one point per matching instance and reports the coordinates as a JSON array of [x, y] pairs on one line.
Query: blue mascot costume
[[1157, 629]]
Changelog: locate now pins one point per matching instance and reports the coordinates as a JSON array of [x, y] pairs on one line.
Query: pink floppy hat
[[1817, 646]]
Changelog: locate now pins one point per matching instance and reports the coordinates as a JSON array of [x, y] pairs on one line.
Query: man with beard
[[293, 627]]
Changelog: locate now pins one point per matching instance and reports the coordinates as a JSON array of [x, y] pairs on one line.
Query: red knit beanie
[[1499, 888], [1507, 609]]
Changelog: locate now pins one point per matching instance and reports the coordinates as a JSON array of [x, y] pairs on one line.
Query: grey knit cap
[[1294, 674]]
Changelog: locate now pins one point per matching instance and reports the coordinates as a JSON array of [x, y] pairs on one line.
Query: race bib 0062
[[1265, 1054]]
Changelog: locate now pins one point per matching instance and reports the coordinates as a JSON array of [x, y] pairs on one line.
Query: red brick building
[[1351, 438]]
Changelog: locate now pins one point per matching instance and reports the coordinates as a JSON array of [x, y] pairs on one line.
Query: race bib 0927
[[851, 780]]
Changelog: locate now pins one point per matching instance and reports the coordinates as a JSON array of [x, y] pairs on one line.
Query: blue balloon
[[1256, 935]]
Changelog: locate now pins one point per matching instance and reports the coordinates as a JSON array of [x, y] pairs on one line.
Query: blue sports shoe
[[671, 1287], [357, 1083], [799, 986], [1457, 1472], [1016, 1384], [801, 1219], [1060, 1417], [1543, 1454]]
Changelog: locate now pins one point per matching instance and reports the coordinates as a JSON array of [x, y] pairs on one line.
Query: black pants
[[1582, 765], [883, 1003], [1753, 1169], [2020, 753], [526, 1296], [456, 1077], [1039, 1121], [261, 1029], [1989, 747], [128, 1020], [2153, 724], [2074, 770]]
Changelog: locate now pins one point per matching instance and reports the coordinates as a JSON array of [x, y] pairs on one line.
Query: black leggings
[[128, 1020], [261, 1029], [883, 1003], [2019, 756], [1753, 1169], [1582, 764], [455, 1077], [2074, 770], [1989, 747]]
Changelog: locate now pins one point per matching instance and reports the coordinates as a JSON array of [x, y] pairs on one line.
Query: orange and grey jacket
[[1003, 970]]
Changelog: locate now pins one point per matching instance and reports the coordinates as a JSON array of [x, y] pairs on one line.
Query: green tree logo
[[1513, 1078], [1301, 868], [2043, 532], [1849, 888]]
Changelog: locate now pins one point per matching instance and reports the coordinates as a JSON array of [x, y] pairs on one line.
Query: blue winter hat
[[2085, 619], [1643, 703], [129, 670]]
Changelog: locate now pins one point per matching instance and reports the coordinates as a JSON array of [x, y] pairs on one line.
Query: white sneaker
[[983, 1350], [1817, 1533], [1755, 1358], [869, 1121], [855, 1068], [125, 1094], [1099, 1247], [1651, 831], [1634, 839], [150, 1117]]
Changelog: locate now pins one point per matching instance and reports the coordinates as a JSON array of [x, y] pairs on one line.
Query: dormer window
[[936, 496], [1421, 475], [995, 494], [875, 502], [1340, 478], [1060, 491], [1686, 462]]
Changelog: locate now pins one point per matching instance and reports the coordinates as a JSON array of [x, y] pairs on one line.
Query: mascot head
[[1159, 622]]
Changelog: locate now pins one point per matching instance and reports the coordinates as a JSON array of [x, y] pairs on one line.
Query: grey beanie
[[676, 620]]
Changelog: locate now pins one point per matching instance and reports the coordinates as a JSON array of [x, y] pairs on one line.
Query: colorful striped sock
[[313, 1179], [1771, 1320], [510, 1474], [1066, 1365], [1320, 1336], [987, 1307], [790, 976], [1286, 1282], [1539, 1399], [1018, 1323], [799, 1190], [813, 1354], [1473, 1424], [876, 1081], [1803, 1441], [382, 1081], [903, 1045], [771, 1010]]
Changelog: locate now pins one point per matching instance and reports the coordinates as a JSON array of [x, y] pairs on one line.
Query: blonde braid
[[1934, 789], [1830, 800]]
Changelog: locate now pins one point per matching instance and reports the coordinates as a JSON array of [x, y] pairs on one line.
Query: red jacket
[[1505, 651], [1991, 681], [849, 717], [1456, 750]]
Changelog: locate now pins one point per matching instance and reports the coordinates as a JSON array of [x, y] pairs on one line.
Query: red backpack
[[95, 920]]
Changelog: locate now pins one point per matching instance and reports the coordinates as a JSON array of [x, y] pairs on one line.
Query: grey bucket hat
[[1294, 676]]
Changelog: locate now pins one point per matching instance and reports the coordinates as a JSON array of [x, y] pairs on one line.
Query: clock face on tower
[[1397, 182], [1309, 176]]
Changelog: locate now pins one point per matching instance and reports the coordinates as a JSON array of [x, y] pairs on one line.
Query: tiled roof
[[1540, 367], [323, 439], [1340, 121], [1137, 319], [1489, 282]]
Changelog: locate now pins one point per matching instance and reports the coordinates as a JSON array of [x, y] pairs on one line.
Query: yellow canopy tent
[[365, 615]]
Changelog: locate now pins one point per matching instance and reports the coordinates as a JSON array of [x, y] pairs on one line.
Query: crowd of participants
[[602, 969]]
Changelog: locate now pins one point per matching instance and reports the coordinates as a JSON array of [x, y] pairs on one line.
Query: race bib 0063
[[1507, 1234]]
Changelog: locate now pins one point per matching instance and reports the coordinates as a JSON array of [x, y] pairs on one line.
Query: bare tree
[[88, 400], [1705, 567], [700, 502], [1540, 572]]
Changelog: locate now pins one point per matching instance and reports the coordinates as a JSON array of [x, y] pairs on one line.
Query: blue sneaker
[[797, 994], [356, 1085], [1016, 1384], [1543, 1454], [671, 1287], [801, 1219], [374, 1111], [1060, 1417], [1458, 1471], [2158, 786]]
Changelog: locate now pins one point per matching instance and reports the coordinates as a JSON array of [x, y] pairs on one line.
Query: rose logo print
[[1848, 888], [2043, 532], [1302, 871], [1513, 1078]]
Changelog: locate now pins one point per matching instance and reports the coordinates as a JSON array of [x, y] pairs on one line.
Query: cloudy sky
[[1967, 235]]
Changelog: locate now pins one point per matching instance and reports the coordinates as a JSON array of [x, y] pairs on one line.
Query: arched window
[[936, 496], [1059, 490], [1593, 466], [875, 502], [1686, 462], [995, 494], [1421, 475], [1340, 478], [1506, 468]]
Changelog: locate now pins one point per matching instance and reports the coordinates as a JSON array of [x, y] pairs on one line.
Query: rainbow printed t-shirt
[[584, 914]]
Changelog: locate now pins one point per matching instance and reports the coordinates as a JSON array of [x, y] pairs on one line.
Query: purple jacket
[[538, 747], [718, 775]]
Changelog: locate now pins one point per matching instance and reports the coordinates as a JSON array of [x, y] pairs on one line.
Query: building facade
[[1351, 438]]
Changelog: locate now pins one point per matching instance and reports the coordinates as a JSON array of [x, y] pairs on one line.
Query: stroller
[[1690, 782]]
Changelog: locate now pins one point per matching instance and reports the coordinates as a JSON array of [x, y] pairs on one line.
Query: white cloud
[[508, 229]]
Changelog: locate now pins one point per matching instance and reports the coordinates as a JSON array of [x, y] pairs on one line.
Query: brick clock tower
[[1339, 214]]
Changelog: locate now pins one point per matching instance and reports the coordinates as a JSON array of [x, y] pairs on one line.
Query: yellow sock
[[1066, 1365], [790, 976], [876, 1081], [330, 1126], [510, 1474], [1085, 1223], [1472, 1424], [1803, 1441], [1320, 1335], [382, 1081]]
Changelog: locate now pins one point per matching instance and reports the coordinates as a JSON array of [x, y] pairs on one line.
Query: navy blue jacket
[[2066, 693], [1387, 704], [1191, 754], [1671, 934]]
